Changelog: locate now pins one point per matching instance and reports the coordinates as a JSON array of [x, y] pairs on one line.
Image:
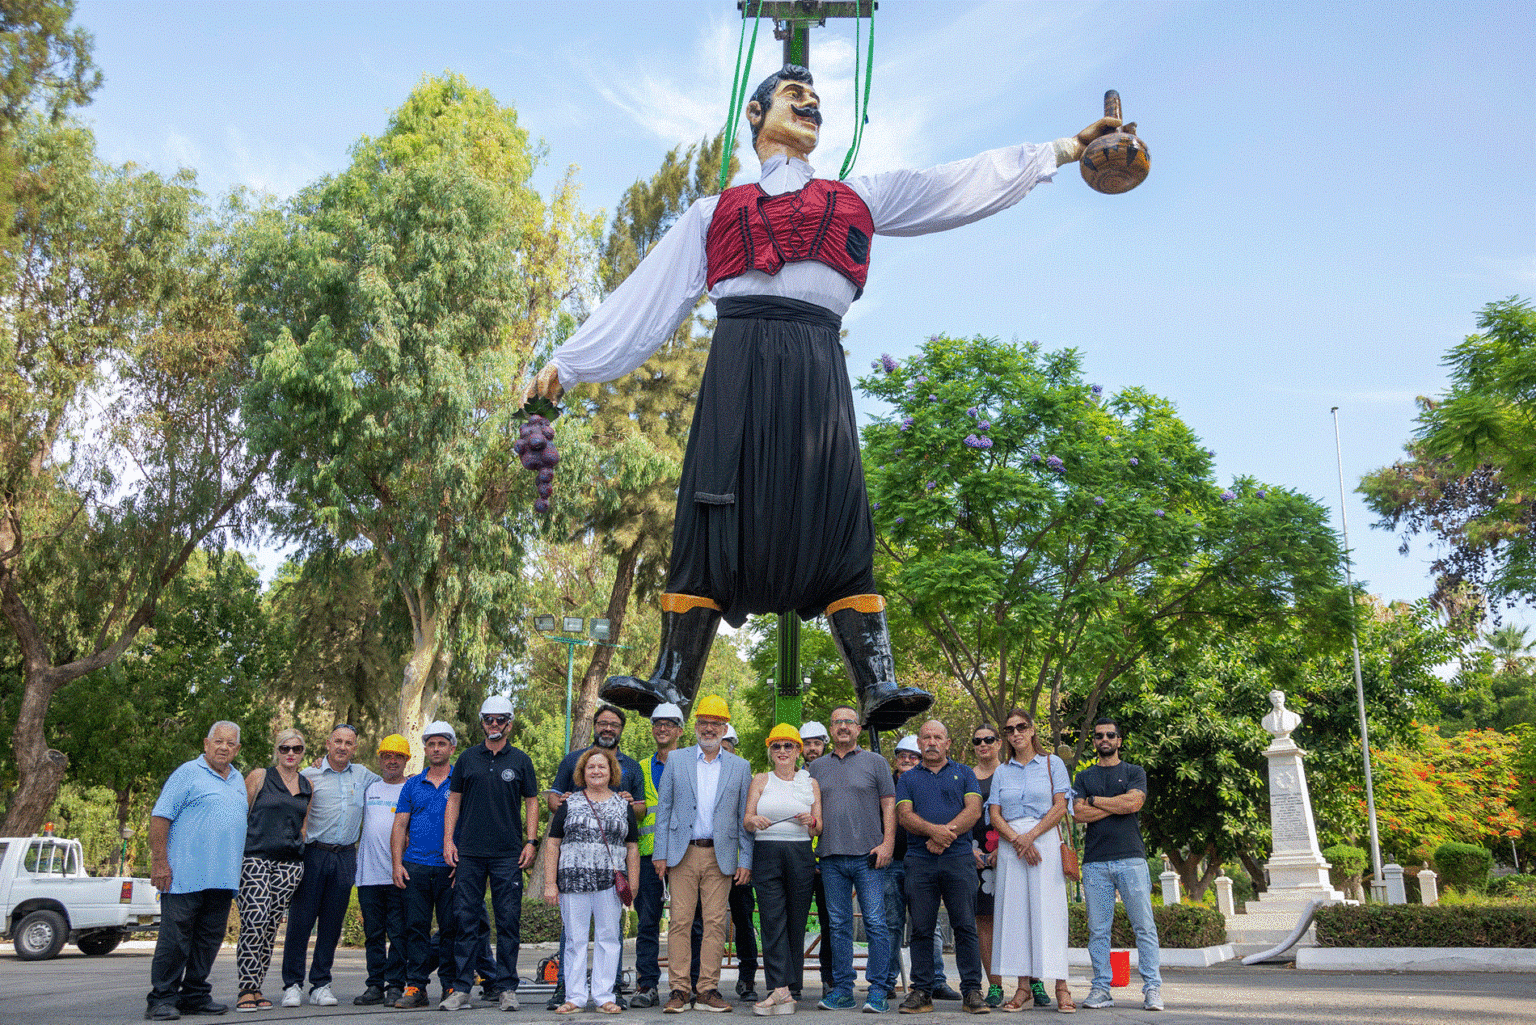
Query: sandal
[[252, 1002], [1064, 1004], [1022, 998], [611, 1008], [568, 1008]]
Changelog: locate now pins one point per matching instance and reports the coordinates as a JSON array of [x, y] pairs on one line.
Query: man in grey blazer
[[701, 847]]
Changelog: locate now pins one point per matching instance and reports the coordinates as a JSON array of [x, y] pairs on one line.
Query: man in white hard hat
[[666, 730], [814, 739], [492, 793], [421, 871]]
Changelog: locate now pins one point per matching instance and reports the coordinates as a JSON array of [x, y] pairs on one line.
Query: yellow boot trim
[[859, 603], [684, 602]]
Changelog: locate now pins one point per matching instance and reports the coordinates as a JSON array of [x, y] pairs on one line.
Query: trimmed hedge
[[1463, 867], [1186, 926], [1414, 925], [1518, 885]]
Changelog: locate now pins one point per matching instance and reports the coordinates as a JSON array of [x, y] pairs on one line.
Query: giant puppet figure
[[772, 512]]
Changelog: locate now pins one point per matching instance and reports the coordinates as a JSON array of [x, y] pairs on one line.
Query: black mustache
[[809, 112]]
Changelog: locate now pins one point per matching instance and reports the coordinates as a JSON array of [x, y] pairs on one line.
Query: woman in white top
[[1029, 923], [783, 813]]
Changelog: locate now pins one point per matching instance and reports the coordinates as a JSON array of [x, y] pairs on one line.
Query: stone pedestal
[[1224, 902], [1397, 893], [1429, 886], [1298, 875]]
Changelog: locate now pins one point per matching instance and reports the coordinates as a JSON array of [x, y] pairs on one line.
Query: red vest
[[825, 221]]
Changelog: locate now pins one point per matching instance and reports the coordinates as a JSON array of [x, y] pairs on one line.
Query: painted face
[[439, 750], [596, 773], [341, 746], [792, 121], [220, 749]]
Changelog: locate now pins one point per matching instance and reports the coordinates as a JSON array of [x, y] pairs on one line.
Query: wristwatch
[[1090, 802]]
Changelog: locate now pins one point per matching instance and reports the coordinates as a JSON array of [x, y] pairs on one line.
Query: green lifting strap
[[861, 108], [738, 95]]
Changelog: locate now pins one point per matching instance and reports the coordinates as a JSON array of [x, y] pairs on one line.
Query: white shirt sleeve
[[642, 312], [947, 196]]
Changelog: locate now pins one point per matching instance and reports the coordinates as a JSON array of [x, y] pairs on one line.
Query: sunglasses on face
[[496, 720], [1017, 729], [783, 746], [978, 741], [1111, 735], [290, 749]]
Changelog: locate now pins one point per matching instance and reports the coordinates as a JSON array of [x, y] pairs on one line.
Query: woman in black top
[[273, 863], [593, 834]]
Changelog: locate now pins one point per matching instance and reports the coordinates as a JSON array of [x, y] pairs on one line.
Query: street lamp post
[[599, 633]]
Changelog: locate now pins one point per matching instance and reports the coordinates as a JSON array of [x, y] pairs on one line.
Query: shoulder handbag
[[1069, 866], [620, 879]]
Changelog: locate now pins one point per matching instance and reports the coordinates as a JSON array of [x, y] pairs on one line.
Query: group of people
[[823, 825]]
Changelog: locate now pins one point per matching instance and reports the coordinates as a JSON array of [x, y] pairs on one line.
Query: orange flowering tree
[[1460, 788]]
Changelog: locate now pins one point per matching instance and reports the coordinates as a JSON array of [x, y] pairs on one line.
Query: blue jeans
[[1100, 881], [896, 926], [841, 875], [506, 882]]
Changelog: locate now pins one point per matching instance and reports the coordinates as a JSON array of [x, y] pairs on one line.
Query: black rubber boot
[[864, 641], [686, 637]]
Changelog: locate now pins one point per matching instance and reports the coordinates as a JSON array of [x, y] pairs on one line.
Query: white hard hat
[[908, 743], [813, 730], [496, 704], [730, 734], [667, 710], [440, 729]]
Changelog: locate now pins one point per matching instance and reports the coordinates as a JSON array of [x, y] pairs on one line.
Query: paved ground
[[77, 989]]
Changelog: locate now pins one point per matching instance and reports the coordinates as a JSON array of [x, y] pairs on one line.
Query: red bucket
[[1119, 967]]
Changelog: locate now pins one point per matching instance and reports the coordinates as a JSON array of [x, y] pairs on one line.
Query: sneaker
[[555, 999], [975, 1003], [371, 995], [293, 996], [1099, 998], [414, 996], [456, 1001], [1042, 998], [876, 1002], [918, 1002], [1152, 1000], [645, 997], [321, 996], [838, 1001], [508, 1001], [994, 995], [944, 991], [678, 1004], [711, 1000]]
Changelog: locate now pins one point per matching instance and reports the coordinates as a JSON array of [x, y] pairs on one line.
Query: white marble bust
[[1281, 720]]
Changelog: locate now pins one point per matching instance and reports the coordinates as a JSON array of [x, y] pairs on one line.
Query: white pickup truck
[[48, 899]]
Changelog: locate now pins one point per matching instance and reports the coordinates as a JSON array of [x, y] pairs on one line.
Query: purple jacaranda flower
[[1186, 564], [1035, 458], [986, 442], [875, 365], [973, 412], [888, 362], [933, 338], [1260, 494], [901, 519], [1227, 496], [1108, 438], [1160, 513], [985, 425], [875, 506], [929, 486], [900, 451], [1098, 389], [972, 441], [906, 423], [1054, 463], [1135, 461], [1211, 452], [1099, 500], [921, 379], [933, 398]]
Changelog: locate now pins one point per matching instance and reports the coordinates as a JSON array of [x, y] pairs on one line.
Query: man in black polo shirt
[[937, 803], [483, 839]]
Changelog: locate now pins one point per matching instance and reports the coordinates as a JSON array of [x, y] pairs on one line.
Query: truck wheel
[[99, 943], [41, 935]]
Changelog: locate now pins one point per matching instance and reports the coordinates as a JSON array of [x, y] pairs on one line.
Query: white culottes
[[602, 913], [1029, 918]]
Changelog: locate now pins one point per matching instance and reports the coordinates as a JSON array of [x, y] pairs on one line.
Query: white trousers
[[1029, 920], [601, 913]]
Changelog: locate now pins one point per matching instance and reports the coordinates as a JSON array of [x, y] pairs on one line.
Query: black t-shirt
[[491, 788], [1117, 837]]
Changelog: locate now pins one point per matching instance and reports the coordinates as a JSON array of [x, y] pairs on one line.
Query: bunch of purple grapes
[[536, 446]]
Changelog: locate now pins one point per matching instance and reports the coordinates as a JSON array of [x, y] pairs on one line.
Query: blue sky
[[1336, 189]]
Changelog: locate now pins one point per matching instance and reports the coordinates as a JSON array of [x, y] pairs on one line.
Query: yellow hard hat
[[714, 706], [784, 731], [395, 744]]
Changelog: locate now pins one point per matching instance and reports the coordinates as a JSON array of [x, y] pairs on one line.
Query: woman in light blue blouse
[[1029, 923]]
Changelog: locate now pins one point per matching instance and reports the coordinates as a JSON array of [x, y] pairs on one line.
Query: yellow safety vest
[[648, 824]]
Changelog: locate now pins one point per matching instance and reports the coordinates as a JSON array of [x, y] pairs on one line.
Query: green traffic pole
[[570, 656], [787, 706]]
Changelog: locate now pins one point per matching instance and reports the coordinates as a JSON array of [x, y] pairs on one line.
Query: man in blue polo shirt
[[937, 803], [196, 841], [420, 870]]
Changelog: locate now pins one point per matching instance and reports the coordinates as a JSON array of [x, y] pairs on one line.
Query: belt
[[701, 843], [335, 848]]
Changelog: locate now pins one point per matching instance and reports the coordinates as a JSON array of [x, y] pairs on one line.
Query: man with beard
[[1115, 858], [490, 793], [813, 739], [607, 730], [772, 511], [420, 870]]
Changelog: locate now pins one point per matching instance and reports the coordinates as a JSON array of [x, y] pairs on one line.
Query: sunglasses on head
[[978, 741], [1017, 729], [1111, 735], [290, 749], [784, 745]]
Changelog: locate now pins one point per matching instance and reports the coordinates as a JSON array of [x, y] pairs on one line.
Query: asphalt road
[[74, 988]]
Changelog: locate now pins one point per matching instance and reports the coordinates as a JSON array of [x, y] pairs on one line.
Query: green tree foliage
[[120, 451], [397, 305], [1470, 476], [633, 431], [1046, 538], [44, 65]]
